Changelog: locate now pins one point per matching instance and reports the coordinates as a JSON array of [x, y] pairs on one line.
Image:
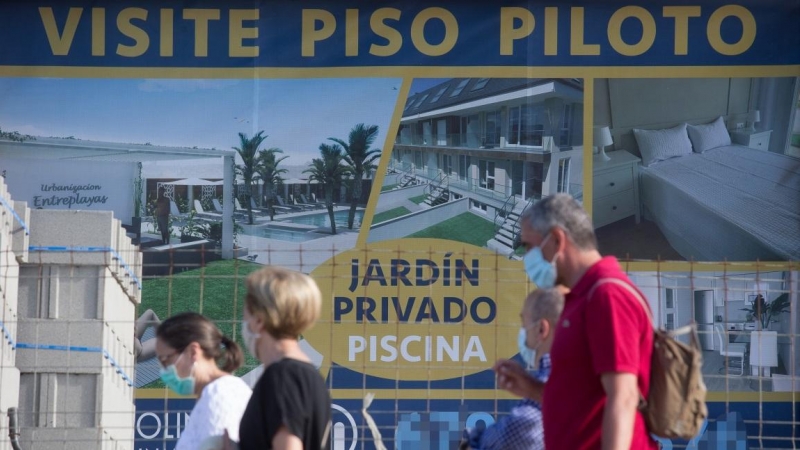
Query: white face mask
[[529, 355], [250, 338]]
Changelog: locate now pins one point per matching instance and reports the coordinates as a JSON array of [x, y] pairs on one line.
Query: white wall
[[624, 103], [75, 185]]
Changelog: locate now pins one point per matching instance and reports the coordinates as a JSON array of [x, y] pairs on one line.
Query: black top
[[290, 393]]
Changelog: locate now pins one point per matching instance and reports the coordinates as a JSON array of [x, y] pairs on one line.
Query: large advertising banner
[[675, 123]]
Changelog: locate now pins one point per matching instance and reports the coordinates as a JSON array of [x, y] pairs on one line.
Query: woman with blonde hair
[[290, 407], [188, 347]]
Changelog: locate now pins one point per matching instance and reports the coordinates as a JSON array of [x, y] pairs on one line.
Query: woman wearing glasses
[[188, 347]]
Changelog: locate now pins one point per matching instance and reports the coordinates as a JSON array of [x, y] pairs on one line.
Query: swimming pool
[[280, 234], [322, 219]]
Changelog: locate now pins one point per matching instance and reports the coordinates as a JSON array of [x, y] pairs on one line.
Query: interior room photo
[[697, 169], [744, 322]]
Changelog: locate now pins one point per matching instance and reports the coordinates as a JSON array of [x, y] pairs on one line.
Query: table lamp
[[602, 139], [753, 117]]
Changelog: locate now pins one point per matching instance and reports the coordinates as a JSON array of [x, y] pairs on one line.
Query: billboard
[[676, 124]]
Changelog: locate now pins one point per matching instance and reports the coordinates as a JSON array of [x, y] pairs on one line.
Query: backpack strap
[[627, 286]]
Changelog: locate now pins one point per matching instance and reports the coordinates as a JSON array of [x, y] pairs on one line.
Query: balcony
[[529, 144]]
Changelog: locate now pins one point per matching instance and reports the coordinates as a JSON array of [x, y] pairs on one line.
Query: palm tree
[[361, 159], [269, 173], [247, 150], [329, 171]]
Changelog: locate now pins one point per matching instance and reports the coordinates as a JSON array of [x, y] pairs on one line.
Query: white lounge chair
[[315, 203], [305, 206], [198, 208], [236, 212], [176, 213], [265, 210], [283, 204]]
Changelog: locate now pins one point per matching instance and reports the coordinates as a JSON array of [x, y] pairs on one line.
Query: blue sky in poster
[[296, 114]]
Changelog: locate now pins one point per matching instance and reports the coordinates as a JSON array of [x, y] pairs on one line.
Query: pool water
[[322, 219], [281, 234]]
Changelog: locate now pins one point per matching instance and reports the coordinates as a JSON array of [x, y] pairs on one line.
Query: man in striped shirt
[[522, 428]]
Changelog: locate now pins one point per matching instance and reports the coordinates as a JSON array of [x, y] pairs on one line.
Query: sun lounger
[[316, 200], [176, 213], [282, 204], [198, 208], [265, 210], [315, 203], [305, 206], [236, 212]]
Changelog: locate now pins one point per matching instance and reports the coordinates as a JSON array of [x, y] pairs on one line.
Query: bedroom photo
[[697, 169]]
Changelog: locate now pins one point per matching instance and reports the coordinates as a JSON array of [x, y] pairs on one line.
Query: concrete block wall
[[12, 237], [78, 293]]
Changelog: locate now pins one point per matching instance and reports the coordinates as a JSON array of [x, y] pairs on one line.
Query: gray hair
[[563, 211], [545, 304]]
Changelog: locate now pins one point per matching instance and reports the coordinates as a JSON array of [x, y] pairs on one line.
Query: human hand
[[513, 378]]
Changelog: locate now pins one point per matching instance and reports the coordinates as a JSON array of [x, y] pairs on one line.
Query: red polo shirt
[[610, 332]]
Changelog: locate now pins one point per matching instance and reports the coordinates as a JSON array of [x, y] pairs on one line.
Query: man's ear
[[545, 328], [560, 236]]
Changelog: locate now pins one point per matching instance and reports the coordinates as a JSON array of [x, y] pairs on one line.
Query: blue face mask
[[539, 270], [181, 386], [528, 355]]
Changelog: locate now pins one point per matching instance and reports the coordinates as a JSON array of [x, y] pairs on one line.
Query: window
[[480, 84], [471, 131], [447, 164], [669, 309], [524, 126], [427, 133], [460, 87], [421, 99], [438, 94], [486, 169], [492, 128], [563, 175], [418, 159], [463, 167], [566, 126]]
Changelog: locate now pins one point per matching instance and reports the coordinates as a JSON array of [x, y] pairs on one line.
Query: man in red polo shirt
[[603, 342]]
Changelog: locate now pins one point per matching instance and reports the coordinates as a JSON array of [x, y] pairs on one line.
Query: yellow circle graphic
[[418, 309]]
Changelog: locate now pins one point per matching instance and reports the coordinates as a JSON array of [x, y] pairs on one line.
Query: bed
[[728, 202]]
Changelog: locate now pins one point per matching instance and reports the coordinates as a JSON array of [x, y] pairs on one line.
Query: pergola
[[209, 187], [75, 149]]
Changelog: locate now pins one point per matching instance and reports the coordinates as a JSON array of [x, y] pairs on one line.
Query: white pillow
[[710, 135], [658, 145]]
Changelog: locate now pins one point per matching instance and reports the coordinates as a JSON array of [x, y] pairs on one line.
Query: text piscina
[[432, 311]]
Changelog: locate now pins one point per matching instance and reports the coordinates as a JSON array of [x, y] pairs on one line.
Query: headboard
[[664, 103]]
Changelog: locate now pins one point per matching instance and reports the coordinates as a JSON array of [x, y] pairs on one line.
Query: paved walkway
[[302, 256]]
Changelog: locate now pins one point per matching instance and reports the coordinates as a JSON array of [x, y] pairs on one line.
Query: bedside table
[[615, 188], [758, 140]]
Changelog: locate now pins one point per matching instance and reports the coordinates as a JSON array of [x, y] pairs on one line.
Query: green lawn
[[418, 199], [390, 214], [216, 291], [465, 227], [388, 187]]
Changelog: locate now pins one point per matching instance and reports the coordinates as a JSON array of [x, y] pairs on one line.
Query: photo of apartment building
[[486, 147]]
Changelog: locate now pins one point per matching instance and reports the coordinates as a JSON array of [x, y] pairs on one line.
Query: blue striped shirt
[[521, 429]]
